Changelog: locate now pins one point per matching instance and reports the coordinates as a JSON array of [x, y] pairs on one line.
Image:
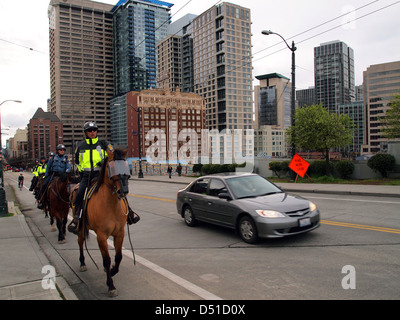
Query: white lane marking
[[202, 293]]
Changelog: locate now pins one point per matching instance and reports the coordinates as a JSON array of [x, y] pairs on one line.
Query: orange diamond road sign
[[299, 165]]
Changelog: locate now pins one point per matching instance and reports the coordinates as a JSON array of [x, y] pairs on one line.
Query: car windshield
[[251, 187]]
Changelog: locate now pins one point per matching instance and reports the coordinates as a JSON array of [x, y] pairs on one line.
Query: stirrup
[[73, 227], [133, 217]]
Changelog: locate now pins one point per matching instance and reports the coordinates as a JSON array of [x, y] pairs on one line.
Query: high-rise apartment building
[[223, 66], [334, 75], [305, 97], [169, 52], [355, 110], [138, 27], [175, 56], [273, 101], [81, 66], [381, 82]]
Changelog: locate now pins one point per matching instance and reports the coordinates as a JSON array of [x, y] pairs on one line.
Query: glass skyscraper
[[138, 27], [334, 75]]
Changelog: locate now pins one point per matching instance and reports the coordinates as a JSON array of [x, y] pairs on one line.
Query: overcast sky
[[370, 27]]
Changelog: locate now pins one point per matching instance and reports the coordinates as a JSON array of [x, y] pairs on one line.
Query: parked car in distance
[[248, 203]]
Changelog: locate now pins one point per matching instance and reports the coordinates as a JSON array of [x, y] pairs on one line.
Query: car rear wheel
[[248, 230], [189, 216]]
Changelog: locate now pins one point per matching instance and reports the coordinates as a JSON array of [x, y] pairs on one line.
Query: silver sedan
[[251, 205]]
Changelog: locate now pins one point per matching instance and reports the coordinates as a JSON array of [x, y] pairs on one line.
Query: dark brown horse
[[106, 213], [58, 204], [38, 196]]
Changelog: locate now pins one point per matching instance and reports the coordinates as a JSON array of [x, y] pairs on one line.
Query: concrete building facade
[[381, 82], [81, 66]]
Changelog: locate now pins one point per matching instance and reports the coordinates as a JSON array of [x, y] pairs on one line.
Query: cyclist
[[21, 181]]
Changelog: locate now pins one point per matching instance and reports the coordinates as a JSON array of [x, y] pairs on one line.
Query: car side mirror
[[225, 196]]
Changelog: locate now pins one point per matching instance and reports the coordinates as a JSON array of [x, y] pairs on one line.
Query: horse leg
[[118, 241], [81, 240], [53, 227], [64, 225], [102, 241], [61, 234]]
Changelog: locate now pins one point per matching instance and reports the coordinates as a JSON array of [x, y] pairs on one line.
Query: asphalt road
[[353, 255]]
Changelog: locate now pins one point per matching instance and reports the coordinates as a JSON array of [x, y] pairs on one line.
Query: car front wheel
[[248, 230], [189, 217]]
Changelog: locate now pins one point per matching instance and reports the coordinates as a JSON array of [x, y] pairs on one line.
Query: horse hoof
[[83, 269], [113, 293], [53, 229], [61, 241]]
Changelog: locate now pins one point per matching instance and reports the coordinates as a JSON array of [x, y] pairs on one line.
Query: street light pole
[[293, 100]]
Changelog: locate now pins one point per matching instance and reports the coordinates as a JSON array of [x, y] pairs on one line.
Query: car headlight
[[312, 206], [270, 214]]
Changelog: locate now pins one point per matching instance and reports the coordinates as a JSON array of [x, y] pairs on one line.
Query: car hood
[[281, 202]]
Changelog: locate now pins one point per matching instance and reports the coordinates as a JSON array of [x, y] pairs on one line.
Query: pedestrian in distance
[[179, 169], [169, 170]]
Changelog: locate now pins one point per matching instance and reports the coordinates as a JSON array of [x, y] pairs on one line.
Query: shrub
[[318, 168], [345, 168], [382, 163], [197, 167], [276, 167], [285, 165]]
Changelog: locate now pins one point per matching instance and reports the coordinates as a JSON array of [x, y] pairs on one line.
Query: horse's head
[[118, 170]]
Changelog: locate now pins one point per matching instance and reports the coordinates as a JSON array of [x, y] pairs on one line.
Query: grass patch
[[332, 180]]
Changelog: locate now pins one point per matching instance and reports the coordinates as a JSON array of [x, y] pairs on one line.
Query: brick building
[[45, 132]]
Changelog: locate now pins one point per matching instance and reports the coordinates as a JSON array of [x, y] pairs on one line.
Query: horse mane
[[119, 154]]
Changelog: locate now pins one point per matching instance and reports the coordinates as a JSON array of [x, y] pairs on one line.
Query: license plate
[[304, 222]]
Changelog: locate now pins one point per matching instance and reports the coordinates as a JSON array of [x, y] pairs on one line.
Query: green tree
[[391, 120], [317, 129]]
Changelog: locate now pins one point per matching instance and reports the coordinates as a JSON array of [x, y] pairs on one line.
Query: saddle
[[133, 217], [88, 196]]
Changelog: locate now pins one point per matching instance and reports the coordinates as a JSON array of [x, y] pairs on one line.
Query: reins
[[57, 194]]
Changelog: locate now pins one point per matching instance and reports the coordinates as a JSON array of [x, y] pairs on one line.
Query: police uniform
[[88, 157]]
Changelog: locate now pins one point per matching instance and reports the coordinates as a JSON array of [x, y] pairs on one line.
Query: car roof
[[228, 175]]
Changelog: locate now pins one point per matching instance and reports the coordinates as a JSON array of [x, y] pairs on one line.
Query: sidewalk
[[22, 262], [339, 189]]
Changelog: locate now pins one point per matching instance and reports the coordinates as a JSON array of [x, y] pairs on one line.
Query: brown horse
[[106, 213], [58, 204], [38, 196]]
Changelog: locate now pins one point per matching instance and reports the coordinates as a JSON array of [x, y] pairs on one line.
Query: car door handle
[[210, 203]]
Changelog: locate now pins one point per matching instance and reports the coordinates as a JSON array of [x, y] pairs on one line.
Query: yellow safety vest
[[89, 153]]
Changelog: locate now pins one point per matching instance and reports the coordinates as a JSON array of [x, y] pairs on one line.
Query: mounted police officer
[[88, 156], [38, 172], [58, 165]]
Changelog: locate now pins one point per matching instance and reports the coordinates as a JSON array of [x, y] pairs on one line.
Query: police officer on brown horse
[[88, 157]]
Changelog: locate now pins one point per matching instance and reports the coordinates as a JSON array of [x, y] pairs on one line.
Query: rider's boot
[[133, 217], [74, 225]]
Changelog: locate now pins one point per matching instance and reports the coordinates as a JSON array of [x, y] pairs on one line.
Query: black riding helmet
[[61, 147], [90, 125]]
